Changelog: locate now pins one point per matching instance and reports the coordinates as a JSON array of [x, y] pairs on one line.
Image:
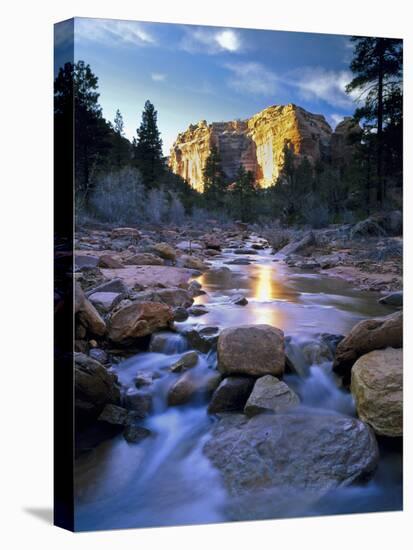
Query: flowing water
[[165, 479]]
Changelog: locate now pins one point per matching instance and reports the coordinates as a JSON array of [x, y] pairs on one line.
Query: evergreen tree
[[214, 181], [121, 146], [118, 123], [377, 66], [244, 190], [148, 146]]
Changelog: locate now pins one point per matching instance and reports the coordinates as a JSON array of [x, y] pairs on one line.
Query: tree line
[[108, 165]]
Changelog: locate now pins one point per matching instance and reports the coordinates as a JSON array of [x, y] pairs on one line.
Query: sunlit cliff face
[[256, 143]]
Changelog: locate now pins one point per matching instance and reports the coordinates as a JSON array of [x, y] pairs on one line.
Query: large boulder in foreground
[[192, 385], [95, 387], [87, 313], [377, 387], [254, 350], [291, 451], [366, 336], [137, 320], [270, 395]]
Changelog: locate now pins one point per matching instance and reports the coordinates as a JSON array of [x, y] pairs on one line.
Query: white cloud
[[113, 31], [211, 41], [252, 78], [321, 84], [158, 77], [335, 119]]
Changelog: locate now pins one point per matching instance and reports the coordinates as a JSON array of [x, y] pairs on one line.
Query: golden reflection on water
[[265, 288]]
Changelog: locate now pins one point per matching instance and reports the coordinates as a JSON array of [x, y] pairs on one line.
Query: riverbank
[[162, 352]]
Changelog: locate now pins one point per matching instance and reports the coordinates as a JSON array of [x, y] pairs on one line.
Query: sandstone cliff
[[257, 143]]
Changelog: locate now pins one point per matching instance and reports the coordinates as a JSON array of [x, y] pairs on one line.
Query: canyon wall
[[257, 143]]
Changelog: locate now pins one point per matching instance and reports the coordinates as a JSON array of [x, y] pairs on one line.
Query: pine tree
[[244, 189], [118, 123], [377, 65], [148, 146], [214, 181]]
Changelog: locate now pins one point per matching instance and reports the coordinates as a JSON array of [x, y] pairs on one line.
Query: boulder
[[377, 387], [253, 350], [113, 414], [105, 301], [231, 394], [203, 339], [86, 261], [165, 251], [367, 228], [297, 245], [143, 378], [192, 262], [87, 313], [187, 361], [197, 310], [106, 260], [212, 241], [239, 300], [394, 299], [296, 451], [191, 385], [195, 289], [129, 232], [242, 251], [144, 258], [99, 355], [94, 386], [174, 297], [138, 319], [114, 285], [270, 395], [180, 314], [135, 434], [366, 336]]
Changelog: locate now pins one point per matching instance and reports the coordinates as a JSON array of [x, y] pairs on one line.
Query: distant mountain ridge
[[258, 143]]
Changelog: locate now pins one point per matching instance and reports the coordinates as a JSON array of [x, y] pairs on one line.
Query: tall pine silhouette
[[148, 146]]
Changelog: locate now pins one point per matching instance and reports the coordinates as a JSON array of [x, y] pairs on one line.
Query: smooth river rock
[[231, 394], [270, 395], [366, 336], [377, 387], [296, 451], [137, 320], [254, 350]]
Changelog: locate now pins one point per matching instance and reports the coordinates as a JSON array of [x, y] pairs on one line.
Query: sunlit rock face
[[346, 133], [257, 143]]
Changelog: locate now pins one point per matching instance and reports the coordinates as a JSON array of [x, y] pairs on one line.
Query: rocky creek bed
[[216, 380]]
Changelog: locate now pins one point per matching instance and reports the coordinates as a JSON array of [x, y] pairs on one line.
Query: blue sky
[[193, 73]]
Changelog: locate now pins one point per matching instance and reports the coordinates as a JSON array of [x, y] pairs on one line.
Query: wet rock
[[137, 320], [113, 414], [332, 341], [180, 314], [253, 350], [188, 246], [366, 336], [106, 260], [195, 289], [377, 387], [105, 301], [394, 299], [239, 261], [316, 353], [87, 313], [191, 385], [297, 451], [138, 402], [129, 232], [135, 434], [99, 355], [239, 300], [94, 386], [203, 339], [212, 241], [187, 361], [174, 297], [143, 378], [231, 394], [245, 251], [144, 258], [220, 271], [270, 395], [198, 310], [165, 251]]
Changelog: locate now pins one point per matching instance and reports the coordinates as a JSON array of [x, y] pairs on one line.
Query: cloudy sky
[[192, 72]]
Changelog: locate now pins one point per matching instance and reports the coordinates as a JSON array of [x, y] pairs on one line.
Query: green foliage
[[244, 193]]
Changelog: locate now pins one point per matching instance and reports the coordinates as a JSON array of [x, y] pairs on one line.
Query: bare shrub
[[176, 210], [277, 236], [156, 205], [119, 197]]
